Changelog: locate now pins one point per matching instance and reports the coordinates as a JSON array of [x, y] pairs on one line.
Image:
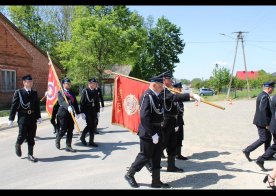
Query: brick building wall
[[21, 55]]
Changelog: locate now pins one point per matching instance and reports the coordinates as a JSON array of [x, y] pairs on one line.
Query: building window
[[8, 80]]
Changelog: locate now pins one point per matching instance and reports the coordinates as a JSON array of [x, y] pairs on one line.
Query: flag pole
[[170, 89], [65, 98]]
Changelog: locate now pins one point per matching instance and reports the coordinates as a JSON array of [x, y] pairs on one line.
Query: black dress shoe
[[92, 144], [83, 141], [180, 157], [174, 169], [18, 150], [131, 180], [96, 132], [70, 149], [247, 155], [261, 165], [160, 185], [32, 158]]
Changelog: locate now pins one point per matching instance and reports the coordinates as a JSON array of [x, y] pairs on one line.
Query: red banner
[[52, 92], [125, 108]]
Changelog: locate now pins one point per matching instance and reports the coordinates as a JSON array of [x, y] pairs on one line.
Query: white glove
[[77, 116], [10, 123], [70, 109], [39, 121], [155, 138], [102, 109], [83, 116], [98, 115], [197, 97], [176, 129]]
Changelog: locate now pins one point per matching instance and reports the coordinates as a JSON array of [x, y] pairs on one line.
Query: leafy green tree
[[196, 83], [163, 45], [220, 78], [185, 81], [99, 39], [29, 21]]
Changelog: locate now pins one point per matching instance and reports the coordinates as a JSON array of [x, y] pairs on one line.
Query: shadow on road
[[45, 138], [207, 155], [197, 181], [65, 158], [106, 148]]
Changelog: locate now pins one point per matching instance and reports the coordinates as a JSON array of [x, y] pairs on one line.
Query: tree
[[220, 77], [163, 45], [29, 21], [100, 39], [185, 81]]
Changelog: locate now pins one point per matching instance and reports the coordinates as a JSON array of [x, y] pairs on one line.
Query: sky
[[201, 28]]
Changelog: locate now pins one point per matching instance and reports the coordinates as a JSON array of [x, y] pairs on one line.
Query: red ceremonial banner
[[125, 108], [53, 88]]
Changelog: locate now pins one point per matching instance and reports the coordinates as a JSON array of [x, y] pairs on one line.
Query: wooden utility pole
[[239, 37]]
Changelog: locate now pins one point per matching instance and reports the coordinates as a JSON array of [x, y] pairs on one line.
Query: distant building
[[251, 75], [274, 74], [19, 56]]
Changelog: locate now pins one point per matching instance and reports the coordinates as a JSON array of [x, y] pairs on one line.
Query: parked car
[[206, 91]]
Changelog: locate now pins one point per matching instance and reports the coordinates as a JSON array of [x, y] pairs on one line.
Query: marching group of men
[[26, 103], [161, 127]]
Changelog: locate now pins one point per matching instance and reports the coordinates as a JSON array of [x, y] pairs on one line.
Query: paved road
[[213, 142]]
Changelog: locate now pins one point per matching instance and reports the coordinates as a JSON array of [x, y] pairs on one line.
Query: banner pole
[[170, 89], [72, 115]]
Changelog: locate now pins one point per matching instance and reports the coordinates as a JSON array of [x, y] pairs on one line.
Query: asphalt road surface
[[214, 140]]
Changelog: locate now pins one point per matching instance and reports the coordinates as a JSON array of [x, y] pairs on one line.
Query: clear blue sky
[[201, 27]]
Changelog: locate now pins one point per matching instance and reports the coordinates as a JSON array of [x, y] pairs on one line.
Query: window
[[8, 80]]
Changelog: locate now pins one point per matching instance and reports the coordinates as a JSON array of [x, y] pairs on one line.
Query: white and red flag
[[125, 107]]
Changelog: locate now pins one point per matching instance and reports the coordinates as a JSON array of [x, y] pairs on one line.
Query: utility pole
[[239, 37]]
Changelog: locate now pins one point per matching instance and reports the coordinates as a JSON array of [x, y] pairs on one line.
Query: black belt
[[157, 124], [27, 111], [170, 115]]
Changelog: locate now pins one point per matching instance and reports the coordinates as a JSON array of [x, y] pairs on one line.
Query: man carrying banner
[[151, 116], [90, 107], [25, 102], [66, 121], [169, 131]]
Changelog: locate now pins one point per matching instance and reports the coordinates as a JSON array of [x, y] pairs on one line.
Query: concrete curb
[[44, 116]]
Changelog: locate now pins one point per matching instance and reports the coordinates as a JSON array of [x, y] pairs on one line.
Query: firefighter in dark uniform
[[169, 132], [25, 102], [99, 91], [90, 107], [151, 115], [54, 120], [65, 118], [179, 124], [272, 128], [262, 119]]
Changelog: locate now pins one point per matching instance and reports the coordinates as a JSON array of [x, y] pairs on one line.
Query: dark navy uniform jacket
[[31, 98], [93, 103], [99, 90], [180, 108], [63, 109], [171, 101], [272, 125], [150, 119], [263, 113]]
